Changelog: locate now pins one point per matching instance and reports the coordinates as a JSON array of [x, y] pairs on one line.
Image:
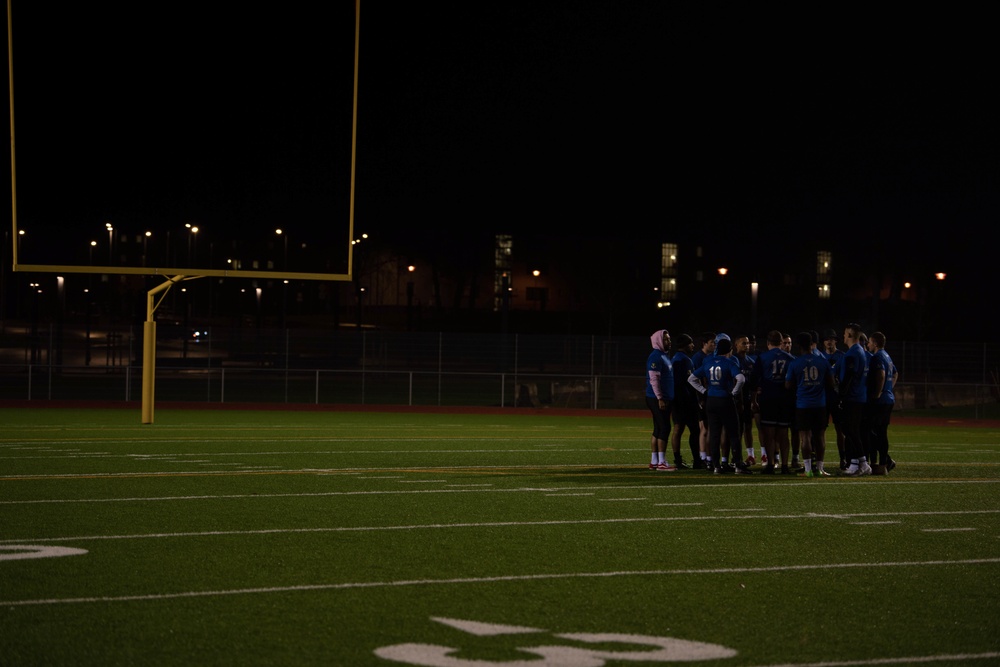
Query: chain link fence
[[374, 367]]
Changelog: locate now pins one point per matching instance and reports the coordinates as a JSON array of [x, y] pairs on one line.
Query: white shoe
[[864, 468], [853, 471]]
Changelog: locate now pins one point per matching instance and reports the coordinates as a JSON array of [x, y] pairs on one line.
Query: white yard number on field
[[662, 649], [22, 551]]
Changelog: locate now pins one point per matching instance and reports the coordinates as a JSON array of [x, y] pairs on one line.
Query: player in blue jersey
[[853, 394], [772, 397], [721, 381], [659, 396], [835, 356], [706, 349], [786, 345], [754, 407], [685, 411], [882, 378], [741, 348], [809, 376]]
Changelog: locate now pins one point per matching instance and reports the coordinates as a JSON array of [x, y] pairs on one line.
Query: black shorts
[[686, 414], [661, 418], [811, 419], [776, 412]]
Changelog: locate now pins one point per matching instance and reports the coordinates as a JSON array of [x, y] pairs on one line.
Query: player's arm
[[878, 382], [740, 379], [653, 372]]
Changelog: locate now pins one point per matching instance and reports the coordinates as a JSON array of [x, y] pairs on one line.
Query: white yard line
[[490, 524], [498, 579]]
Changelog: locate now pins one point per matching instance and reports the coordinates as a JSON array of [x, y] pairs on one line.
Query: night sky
[[634, 123]]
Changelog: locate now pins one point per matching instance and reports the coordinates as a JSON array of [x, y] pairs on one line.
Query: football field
[[522, 539]]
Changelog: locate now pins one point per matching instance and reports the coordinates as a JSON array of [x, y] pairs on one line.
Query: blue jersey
[[854, 375], [769, 373], [659, 376], [747, 367], [835, 358], [808, 376], [721, 374], [698, 359], [683, 392], [882, 361]]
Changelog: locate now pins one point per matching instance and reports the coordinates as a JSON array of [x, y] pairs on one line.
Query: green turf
[[331, 538]]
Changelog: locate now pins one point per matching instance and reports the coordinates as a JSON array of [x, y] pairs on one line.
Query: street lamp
[[192, 235], [280, 232], [409, 297], [111, 236], [145, 239]]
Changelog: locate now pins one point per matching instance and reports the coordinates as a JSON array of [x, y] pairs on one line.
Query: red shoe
[[763, 459], [751, 460]]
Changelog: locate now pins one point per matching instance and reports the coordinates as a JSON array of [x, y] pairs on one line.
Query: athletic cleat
[[652, 466], [865, 468], [750, 461], [821, 473], [806, 473], [889, 465], [664, 466], [743, 470], [843, 464], [878, 469], [680, 465], [853, 471], [767, 470], [763, 459], [785, 470]]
